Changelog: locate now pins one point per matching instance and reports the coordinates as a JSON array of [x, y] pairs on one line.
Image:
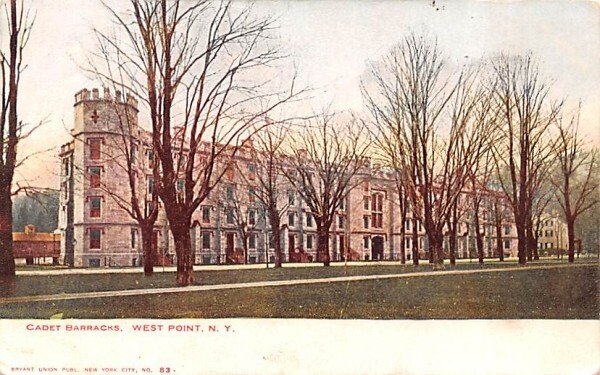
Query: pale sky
[[329, 42]]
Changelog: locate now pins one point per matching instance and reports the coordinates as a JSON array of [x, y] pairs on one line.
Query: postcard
[[299, 187]]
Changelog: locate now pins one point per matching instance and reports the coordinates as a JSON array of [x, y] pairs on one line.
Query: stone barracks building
[[97, 231]]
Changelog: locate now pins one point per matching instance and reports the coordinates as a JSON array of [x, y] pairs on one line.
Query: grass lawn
[[560, 293], [56, 284]]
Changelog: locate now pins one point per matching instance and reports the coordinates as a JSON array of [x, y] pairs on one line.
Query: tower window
[[95, 173], [95, 238], [95, 206], [95, 148]]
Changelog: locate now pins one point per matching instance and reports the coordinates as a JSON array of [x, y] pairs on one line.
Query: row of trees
[[487, 128], [207, 73]]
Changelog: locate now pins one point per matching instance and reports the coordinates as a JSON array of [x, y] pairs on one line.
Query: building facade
[[231, 226]]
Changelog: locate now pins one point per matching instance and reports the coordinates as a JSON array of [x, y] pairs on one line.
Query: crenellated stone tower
[[97, 231]]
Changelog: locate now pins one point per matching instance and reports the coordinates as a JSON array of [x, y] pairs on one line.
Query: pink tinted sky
[[329, 42]]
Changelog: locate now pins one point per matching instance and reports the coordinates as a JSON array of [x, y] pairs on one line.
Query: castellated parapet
[[94, 95]]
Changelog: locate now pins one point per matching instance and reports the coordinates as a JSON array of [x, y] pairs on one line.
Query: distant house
[[36, 247]]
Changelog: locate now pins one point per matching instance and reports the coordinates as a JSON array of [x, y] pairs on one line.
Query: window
[[133, 238], [206, 214], [150, 158], [65, 190], [309, 241], [309, 219], [291, 219], [341, 221], [95, 206], [65, 164], [95, 262], [366, 240], [548, 245], [366, 203], [252, 241], [377, 209], [291, 198], [95, 238], [95, 148], [229, 191], [180, 192], [251, 195], [377, 220], [206, 240], [507, 244], [549, 233], [150, 185], [342, 204], [251, 172], [134, 150], [507, 229], [230, 217], [407, 224], [95, 173], [149, 207], [251, 217], [271, 241], [420, 226], [366, 220], [407, 242]]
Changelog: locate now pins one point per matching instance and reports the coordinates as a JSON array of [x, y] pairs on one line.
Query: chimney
[[95, 95], [106, 93]]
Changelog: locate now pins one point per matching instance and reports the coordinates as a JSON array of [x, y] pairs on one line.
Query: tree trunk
[[402, 246], [436, 247], [499, 241], [478, 236], [323, 244], [276, 229], [536, 254], [183, 249], [522, 243], [7, 260], [148, 249], [530, 240], [415, 243], [571, 237], [452, 244]]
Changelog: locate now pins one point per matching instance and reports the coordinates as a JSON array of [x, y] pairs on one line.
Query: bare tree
[[196, 66], [524, 114], [18, 28], [576, 181], [267, 181], [324, 162], [410, 97]]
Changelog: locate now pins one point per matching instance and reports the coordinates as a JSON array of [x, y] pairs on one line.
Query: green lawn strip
[[559, 293], [26, 285]]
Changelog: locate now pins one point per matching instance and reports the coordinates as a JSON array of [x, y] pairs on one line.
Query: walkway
[[199, 288], [224, 267]]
